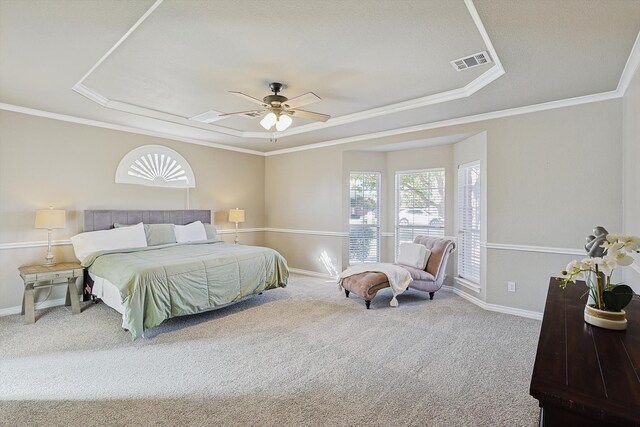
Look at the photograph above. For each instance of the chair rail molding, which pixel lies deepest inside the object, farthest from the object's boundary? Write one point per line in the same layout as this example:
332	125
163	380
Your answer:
528	248
37	244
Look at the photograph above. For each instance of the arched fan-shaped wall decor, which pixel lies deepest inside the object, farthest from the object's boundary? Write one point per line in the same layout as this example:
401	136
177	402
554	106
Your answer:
156	166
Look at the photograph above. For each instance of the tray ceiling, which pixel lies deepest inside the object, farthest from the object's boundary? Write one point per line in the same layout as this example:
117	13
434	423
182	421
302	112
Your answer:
377	65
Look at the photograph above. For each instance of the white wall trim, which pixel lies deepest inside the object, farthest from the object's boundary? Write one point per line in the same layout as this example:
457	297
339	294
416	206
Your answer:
633	62
526	248
122	128
312	274
469	89
498	308
388	234
240	230
309	232
468	284
605	96
44	304
38	244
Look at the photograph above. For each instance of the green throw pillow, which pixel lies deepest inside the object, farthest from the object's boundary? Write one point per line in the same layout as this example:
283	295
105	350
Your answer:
157	234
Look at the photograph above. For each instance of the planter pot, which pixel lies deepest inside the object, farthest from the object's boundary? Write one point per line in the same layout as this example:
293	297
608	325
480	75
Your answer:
605	319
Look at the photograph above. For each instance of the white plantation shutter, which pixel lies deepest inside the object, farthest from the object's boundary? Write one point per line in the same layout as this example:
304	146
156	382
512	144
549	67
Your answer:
469	222
420	202
364	217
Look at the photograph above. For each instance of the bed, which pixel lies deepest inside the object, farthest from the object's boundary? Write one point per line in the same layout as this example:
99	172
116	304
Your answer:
148	285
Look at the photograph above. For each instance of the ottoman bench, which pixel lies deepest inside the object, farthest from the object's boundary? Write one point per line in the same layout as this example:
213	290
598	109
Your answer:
366	285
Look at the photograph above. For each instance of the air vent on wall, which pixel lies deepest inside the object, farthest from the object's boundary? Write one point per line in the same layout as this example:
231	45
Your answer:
471	61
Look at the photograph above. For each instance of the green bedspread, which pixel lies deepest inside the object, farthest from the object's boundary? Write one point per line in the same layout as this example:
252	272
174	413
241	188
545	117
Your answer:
160	282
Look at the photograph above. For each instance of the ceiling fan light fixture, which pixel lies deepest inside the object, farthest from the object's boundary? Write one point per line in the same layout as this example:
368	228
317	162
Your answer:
269	120
283	122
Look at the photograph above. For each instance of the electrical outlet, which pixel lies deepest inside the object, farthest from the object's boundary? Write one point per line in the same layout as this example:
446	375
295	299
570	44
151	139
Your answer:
511	286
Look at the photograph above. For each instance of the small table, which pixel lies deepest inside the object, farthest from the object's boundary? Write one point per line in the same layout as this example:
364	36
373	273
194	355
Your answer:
585	375
38	276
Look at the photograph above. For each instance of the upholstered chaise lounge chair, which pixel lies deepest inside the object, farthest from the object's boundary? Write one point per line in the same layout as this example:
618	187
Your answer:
429	280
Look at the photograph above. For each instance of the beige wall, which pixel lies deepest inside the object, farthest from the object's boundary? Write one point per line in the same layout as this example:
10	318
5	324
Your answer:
631	156
545	187
70	166
544	175
303	192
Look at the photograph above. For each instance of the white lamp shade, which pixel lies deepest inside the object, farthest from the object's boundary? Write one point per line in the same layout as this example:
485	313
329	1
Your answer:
283	122
50	219
236	215
268	121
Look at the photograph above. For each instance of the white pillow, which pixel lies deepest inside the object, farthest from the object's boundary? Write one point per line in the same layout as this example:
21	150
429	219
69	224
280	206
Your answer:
413	255
191	232
105	240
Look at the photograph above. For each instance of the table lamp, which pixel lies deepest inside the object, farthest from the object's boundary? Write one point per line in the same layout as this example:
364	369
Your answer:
50	219
236	215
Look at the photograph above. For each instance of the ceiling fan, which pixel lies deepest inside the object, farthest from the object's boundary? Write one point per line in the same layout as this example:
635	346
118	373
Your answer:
279	110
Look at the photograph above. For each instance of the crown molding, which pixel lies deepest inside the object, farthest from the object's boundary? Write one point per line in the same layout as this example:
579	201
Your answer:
495	72
605	96
122	128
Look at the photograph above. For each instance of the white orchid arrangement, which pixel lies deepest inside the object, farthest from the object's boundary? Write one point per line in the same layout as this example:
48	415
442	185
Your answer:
607	251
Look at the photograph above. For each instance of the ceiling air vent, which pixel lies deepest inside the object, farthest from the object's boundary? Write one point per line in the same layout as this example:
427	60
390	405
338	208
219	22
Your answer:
471	61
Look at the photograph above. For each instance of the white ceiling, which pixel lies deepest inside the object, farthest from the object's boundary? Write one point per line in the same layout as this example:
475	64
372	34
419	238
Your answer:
378	65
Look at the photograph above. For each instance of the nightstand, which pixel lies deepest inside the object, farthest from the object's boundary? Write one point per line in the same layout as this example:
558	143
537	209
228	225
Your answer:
39	276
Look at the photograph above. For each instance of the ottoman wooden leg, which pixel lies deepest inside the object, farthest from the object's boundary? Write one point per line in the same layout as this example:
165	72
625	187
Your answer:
346	292
431	295
367	302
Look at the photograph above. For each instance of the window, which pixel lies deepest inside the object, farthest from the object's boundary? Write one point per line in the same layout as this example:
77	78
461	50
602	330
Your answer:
419	204
469	222
364	217
156	166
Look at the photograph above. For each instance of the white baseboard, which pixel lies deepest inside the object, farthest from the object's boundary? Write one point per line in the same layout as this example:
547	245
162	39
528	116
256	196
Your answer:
312	273
45	304
498	308
467	284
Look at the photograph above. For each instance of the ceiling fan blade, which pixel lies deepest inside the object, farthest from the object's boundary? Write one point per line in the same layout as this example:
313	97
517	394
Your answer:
305	99
250	113
318	117
250	98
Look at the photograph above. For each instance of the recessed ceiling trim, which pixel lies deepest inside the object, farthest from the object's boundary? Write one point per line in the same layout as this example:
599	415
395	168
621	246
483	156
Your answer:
605	96
486	78
91	94
126	35
633	62
167	117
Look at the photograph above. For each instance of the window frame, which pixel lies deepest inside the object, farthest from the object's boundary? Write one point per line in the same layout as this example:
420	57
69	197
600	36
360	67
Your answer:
464	266
396	219
377	225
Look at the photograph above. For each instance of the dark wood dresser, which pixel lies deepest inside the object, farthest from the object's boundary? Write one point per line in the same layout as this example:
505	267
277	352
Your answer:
585	375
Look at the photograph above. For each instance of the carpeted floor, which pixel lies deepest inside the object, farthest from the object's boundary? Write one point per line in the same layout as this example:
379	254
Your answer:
300	356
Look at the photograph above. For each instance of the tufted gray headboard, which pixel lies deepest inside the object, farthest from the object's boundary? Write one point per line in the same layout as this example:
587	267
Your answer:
104	220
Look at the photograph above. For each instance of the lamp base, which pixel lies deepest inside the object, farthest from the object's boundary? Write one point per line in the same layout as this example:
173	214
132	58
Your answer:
49	258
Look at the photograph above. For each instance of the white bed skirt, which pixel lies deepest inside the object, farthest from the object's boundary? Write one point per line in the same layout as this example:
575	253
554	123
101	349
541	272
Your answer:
109	294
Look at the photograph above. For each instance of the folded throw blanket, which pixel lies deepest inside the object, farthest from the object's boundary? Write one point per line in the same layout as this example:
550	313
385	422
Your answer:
398	277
